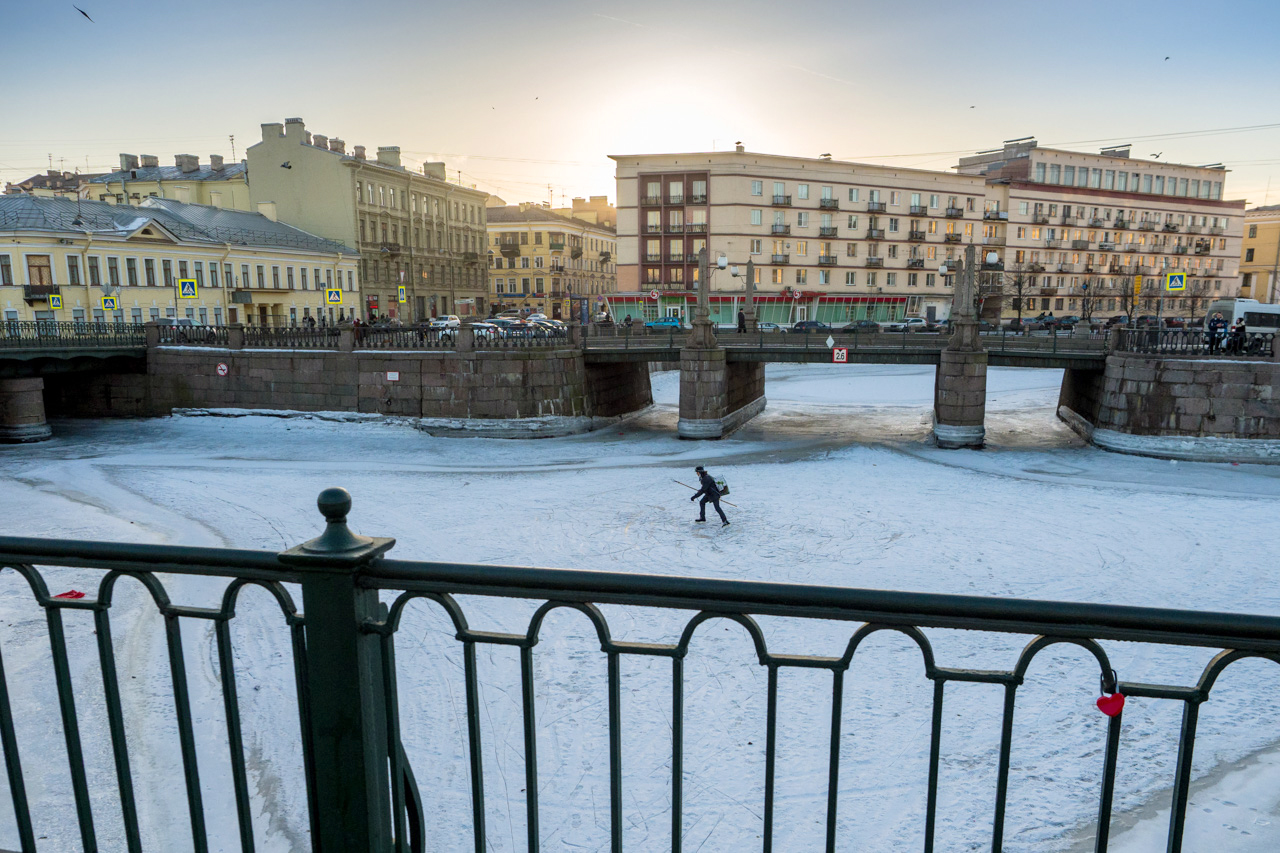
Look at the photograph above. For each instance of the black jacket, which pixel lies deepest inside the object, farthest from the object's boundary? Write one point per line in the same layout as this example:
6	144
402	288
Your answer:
709	487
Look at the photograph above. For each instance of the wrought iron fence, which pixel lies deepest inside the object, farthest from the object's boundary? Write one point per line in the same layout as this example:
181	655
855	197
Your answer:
404	338
1197	342
489	339
212	336
345	675
19	334
291	337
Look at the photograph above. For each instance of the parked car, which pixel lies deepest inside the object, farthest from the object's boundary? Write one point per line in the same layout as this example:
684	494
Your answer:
769	327
906	324
485	331
861	327
1069	320
1175	322
1117	320
810	326
664	323
448	321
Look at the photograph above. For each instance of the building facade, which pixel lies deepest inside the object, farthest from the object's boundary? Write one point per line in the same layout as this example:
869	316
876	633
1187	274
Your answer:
217	184
595	210
1260	254
245	267
830	240
540	260
1080	232
52	184
413	229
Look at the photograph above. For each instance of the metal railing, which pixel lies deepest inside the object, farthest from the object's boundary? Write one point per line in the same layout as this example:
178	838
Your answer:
291	337
1197	342
403	338
211	336
361	791
47	334
520	339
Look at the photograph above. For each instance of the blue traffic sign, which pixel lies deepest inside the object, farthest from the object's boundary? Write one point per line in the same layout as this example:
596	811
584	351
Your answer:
187	288
1175	281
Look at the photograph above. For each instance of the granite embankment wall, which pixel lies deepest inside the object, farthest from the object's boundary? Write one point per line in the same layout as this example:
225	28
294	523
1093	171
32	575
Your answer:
502	384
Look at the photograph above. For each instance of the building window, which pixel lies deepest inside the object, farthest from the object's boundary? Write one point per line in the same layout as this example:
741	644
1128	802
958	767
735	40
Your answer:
113	271
776	276
275	277
244	276
6	272
182	269
288	276
893	225
755	246
802	219
1253	231
757	187
802	191
262	276
1248	255
198	267
850	278
802	247
757	217
802	276
853	222
853	193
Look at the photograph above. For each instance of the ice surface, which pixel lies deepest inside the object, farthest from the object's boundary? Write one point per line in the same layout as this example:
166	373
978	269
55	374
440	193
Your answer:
835	483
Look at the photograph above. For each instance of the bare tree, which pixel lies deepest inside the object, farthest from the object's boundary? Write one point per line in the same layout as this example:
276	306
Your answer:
1017	285
1089	297
1128	297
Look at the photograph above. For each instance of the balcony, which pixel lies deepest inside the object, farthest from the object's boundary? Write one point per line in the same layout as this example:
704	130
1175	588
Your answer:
675	227
1066	267
1039	218
781	229
829	203
558	269
1080	244
509	250
779	259
1106	246
915	235
1115	269
1217	230
915	263
952	238
876	207
1071	219
1146	226
826	260
470	257
875	233
605	257
1179	250
650	259
1202	248
40	292
696	228
993	240
952	264
1193	229
998	215
1097	222
782	201
697	199
1053	244
575	252
691	258
1035	267
675	199
1171	227
651	200
558	245
954	213
1089	269
828	231
389	248
919	210
651	228
1120	225
1131	247
875	262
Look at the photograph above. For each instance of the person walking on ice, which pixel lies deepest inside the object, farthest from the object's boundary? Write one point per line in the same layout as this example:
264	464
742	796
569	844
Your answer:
709	492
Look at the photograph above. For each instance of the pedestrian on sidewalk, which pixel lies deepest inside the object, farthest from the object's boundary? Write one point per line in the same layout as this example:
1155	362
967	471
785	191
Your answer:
709	492
742	321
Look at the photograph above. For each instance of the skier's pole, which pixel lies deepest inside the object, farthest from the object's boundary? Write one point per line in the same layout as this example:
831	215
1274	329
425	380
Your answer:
687	486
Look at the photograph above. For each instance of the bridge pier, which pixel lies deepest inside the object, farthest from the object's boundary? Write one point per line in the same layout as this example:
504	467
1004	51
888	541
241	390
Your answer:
960	400
22	411
717	396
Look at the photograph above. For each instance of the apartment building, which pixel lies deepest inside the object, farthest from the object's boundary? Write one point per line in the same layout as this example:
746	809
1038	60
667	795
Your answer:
216	183
1260	254
59	258
52	184
413	229
1076	226
830	240
539	259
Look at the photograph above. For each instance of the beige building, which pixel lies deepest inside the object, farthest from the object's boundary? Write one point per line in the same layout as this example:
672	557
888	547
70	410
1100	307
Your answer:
216	183
413	229
1260	254
540	260
245	267
595	210
830	240
52	184
1075	226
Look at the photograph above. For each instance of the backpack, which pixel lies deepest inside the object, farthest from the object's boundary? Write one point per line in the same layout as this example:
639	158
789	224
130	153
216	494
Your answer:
722	485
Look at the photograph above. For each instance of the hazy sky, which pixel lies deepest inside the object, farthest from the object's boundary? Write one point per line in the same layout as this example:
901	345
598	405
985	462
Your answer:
519	95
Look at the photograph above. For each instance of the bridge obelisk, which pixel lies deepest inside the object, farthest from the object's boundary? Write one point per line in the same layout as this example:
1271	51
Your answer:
960	389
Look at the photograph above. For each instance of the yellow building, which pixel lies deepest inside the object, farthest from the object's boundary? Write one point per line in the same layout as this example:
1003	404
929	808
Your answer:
216	184
1260	254
244	267
539	260
413	229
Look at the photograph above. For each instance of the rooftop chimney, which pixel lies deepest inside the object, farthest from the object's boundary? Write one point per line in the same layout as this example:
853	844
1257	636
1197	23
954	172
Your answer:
149	161
358	152
389	155
187	162
128	162
434	170
293	128
320	141
272	130
267	209
740	148
337	146
215	162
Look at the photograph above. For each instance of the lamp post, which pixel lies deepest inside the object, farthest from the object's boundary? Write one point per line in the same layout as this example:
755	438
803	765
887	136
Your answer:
749	303
964	321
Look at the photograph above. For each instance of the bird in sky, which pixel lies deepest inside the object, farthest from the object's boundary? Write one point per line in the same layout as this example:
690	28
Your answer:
83	12
1166	59
1156	156
973	108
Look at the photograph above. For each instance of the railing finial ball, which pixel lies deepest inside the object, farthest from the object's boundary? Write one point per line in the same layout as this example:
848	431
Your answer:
334	504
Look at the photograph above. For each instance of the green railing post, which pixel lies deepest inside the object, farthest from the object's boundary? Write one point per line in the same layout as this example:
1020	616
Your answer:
347	747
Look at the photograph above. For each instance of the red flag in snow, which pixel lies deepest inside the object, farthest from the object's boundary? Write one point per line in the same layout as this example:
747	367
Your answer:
71	593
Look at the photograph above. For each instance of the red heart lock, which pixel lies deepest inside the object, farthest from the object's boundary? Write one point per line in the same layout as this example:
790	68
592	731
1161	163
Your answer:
1111	705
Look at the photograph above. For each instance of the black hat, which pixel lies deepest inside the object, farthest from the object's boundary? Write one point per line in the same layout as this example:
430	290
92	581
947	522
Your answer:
699	468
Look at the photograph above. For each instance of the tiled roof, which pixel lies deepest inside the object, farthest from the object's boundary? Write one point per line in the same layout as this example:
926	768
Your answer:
195	223
173	173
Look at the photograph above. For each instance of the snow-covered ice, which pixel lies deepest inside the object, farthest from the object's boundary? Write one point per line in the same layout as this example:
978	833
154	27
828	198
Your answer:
836	483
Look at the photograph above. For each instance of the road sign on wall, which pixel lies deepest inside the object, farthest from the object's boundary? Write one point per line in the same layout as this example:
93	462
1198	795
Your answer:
55	301
333	296
111	303
187	288
401	295
1175	281
839	355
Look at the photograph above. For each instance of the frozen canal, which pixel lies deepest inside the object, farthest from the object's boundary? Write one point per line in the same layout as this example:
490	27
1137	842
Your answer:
835	484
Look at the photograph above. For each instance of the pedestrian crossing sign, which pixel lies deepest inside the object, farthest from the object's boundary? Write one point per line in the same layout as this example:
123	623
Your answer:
187	288
401	296
1175	281
111	303
333	296
55	302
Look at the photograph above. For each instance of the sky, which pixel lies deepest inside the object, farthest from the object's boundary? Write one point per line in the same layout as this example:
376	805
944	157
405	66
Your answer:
527	100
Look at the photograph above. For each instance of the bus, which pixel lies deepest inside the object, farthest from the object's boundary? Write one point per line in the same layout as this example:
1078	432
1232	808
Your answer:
1259	317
